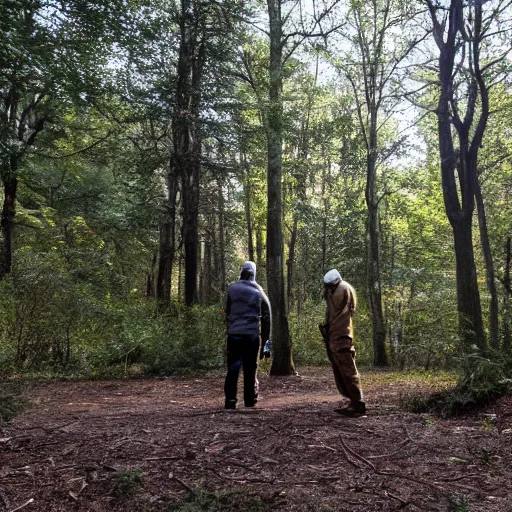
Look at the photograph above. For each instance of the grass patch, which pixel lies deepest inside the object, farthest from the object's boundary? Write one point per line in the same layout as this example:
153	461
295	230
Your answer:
127	483
221	502
482	381
12	400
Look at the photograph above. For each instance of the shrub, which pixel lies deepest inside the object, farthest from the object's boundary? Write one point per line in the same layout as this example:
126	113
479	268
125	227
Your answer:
482	380
127	483
12	400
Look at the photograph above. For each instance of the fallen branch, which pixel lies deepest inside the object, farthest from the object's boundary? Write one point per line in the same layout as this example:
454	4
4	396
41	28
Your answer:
181	482
457	478
413	479
400	446
23	505
323	446
403	502
345	452
356	455
173	457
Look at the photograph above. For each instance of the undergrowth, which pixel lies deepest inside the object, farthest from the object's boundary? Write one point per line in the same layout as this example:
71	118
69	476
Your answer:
481	382
221	502
12	400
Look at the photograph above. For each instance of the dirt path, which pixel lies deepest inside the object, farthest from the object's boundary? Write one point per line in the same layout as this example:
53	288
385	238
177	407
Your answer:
144	445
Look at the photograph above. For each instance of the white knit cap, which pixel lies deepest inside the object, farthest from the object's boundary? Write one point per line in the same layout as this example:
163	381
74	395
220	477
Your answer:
332	276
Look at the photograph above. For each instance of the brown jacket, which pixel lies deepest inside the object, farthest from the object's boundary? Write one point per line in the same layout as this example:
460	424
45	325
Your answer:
341	304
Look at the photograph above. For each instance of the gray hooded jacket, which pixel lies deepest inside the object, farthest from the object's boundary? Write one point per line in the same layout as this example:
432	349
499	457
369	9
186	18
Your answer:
247	305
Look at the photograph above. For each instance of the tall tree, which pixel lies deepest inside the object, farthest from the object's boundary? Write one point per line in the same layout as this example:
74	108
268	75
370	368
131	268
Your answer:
282	363
371	69
49	53
461	31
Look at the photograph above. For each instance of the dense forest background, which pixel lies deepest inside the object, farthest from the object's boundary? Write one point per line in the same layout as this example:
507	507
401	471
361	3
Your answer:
148	148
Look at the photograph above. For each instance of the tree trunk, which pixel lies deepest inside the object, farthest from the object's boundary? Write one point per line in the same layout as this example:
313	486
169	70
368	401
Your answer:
250	242
187	136
291	259
167	247
222	248
461	165
7	225
374	288
507	335
468	298
259	254
282	363
489	268
190	196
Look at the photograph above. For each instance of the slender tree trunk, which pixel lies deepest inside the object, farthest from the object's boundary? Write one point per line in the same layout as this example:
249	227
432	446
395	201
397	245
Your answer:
459	197
259	251
373	257
282	363
167	247
7	226
507	313
248	218
470	311
489	268
291	260
150	279
222	248
325	201
187	136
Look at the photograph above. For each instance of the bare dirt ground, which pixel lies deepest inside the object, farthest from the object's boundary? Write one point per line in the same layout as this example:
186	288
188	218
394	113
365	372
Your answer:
167	444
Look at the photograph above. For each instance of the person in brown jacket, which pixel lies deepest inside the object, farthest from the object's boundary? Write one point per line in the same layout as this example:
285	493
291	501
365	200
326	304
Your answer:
338	335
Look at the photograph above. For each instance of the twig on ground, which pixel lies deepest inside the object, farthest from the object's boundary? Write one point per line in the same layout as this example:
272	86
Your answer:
345	452
356	455
400	446
323	446
457	478
28	502
413	479
407	434
391	495
181	482
173	457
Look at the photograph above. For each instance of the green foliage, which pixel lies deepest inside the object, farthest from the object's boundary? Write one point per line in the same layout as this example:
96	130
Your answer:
127	483
459	503
482	380
191	341
204	501
12	400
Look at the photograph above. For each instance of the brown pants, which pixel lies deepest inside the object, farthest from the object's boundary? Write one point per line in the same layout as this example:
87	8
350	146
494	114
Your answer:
342	355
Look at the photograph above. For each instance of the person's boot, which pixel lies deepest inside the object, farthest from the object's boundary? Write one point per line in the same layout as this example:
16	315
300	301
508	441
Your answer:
353	409
230	404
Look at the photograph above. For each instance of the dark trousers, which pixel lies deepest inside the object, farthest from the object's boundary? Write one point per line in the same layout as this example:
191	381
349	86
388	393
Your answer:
242	351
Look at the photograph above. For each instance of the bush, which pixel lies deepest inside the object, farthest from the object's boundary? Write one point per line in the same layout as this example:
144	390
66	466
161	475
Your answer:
191	341
482	380
12	400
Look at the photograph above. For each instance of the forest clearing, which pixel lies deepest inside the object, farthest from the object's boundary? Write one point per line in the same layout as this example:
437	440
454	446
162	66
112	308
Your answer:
167	444
188	185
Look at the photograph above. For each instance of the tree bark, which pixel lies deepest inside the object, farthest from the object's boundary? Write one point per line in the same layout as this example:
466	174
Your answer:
187	136
282	363
7	226
167	247
222	248
507	335
247	205
489	268
461	165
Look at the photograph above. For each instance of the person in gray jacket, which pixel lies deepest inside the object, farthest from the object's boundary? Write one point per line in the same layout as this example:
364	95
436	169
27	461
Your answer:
248	320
